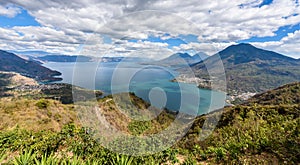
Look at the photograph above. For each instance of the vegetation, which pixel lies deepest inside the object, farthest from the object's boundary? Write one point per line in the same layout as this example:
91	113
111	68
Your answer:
287	94
35	114
67	93
249	69
249	134
72	145
265	130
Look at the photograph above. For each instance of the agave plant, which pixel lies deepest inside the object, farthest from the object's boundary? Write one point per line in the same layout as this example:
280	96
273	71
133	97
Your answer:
122	160
25	158
47	160
3	156
92	162
72	161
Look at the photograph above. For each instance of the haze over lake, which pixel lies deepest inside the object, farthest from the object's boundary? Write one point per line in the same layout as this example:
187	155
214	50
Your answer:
151	83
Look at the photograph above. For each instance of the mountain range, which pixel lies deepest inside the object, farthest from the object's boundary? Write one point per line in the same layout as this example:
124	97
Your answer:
13	63
250	69
63	58
81	58
181	59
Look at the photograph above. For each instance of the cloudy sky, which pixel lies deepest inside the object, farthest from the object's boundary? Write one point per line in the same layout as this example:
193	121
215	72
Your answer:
145	28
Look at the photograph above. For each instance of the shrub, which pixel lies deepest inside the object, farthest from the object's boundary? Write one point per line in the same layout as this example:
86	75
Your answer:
42	104
138	127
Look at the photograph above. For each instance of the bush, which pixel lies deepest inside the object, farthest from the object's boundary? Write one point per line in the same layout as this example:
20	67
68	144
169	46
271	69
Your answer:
42	104
138	127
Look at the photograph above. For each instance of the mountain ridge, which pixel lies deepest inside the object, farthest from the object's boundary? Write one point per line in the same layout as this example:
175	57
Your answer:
13	63
181	59
250	69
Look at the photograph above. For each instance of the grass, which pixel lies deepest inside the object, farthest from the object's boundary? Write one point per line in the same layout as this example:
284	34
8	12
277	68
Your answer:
246	134
46	131
35	114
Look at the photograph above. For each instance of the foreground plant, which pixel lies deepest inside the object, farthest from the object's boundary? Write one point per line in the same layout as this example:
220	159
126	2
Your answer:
47	160
122	160
25	158
3	156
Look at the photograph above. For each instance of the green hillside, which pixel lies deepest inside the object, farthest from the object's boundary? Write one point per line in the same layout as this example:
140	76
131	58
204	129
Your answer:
250	69
287	94
263	131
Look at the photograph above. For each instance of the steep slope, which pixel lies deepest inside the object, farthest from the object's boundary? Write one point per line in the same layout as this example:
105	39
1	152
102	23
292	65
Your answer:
261	132
249	69
12	63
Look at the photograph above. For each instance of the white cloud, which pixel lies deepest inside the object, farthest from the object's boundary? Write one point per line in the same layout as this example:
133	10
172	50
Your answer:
288	45
207	48
219	23
128	49
9	11
38	38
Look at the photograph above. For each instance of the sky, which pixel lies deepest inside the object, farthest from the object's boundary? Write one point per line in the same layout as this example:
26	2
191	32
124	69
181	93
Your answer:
147	28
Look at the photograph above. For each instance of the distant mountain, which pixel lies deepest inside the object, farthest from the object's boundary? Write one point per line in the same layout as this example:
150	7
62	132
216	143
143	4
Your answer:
13	63
250	69
199	57
181	59
64	58
31	53
80	58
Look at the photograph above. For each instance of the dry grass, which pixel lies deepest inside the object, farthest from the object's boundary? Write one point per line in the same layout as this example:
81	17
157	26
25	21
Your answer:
25	113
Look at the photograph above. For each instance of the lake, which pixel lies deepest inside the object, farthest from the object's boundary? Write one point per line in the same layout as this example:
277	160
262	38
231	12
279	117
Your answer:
151	83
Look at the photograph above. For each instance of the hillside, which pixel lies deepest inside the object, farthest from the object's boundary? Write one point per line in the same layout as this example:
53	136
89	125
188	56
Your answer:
12	63
18	86
249	69
10	80
246	134
261	132
35	115
287	94
56	97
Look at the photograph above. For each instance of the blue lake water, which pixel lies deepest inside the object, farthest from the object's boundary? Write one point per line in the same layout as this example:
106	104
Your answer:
151	83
